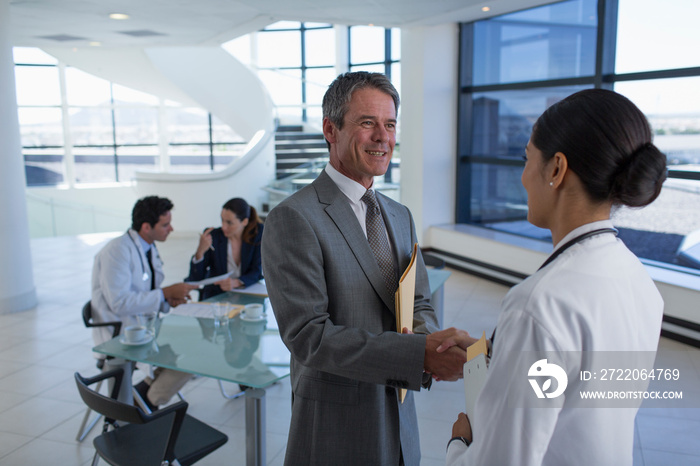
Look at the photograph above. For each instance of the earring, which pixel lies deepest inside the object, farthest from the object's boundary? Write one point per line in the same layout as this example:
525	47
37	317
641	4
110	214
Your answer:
551	183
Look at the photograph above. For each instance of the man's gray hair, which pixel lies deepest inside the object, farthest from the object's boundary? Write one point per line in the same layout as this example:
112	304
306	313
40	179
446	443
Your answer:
339	93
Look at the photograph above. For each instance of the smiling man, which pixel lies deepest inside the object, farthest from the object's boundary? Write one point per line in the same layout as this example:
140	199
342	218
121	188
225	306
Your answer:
332	255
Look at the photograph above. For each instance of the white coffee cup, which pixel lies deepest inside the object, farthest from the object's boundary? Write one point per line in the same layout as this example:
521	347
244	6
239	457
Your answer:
135	333
253	311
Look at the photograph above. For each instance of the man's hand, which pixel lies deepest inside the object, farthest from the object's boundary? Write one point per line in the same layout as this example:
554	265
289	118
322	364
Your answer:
460	339
448	364
178	293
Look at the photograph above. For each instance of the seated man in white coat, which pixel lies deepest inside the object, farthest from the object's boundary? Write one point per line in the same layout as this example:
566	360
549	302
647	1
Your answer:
126	279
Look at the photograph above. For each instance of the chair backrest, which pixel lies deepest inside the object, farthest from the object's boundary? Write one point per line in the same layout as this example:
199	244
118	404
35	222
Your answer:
109	407
89	322
115	410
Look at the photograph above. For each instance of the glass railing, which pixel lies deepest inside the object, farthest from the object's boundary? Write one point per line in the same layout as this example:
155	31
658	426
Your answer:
50	217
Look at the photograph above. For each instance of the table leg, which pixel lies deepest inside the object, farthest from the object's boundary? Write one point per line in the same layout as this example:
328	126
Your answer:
255	426
125	391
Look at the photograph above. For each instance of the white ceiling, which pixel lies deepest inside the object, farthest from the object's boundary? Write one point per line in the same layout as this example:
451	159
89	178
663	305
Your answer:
77	23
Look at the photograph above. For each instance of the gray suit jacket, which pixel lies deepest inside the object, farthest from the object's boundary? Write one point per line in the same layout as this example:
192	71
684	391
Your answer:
337	319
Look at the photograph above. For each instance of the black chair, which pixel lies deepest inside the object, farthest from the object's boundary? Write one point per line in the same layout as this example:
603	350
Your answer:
89	322
88	425
132	437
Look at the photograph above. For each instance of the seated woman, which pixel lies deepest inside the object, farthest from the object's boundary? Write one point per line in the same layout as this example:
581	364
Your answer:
234	248
590	300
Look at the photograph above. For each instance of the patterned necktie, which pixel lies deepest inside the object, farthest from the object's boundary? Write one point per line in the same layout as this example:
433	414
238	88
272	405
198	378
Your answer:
150	266
377	237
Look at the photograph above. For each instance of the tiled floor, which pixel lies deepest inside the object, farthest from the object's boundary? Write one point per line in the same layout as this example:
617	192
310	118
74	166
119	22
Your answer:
40	411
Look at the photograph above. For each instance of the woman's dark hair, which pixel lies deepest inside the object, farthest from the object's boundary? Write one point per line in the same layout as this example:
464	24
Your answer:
243	210
607	142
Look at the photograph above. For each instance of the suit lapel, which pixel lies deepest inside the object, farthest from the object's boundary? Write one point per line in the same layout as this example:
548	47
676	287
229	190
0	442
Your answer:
338	209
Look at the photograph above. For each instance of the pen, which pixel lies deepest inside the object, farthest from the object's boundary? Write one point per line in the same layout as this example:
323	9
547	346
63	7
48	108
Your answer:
212	248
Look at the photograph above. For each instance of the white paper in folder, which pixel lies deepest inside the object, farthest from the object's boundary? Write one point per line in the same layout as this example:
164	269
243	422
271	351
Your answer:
475	371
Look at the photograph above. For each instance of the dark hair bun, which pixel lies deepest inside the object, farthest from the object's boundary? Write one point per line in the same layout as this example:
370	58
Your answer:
639	177
607	143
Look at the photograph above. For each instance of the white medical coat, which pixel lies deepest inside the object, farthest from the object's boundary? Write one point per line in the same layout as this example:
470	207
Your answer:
596	296
121	283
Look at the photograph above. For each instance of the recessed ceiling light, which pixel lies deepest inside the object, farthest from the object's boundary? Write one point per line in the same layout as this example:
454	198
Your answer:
485	8
94	44
118	16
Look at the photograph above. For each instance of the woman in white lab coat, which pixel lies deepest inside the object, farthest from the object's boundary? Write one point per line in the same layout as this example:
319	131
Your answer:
587	154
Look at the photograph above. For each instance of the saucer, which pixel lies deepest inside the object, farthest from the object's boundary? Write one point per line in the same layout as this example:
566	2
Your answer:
124	341
253	319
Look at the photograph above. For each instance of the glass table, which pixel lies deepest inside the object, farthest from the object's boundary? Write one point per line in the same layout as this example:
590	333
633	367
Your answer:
242	352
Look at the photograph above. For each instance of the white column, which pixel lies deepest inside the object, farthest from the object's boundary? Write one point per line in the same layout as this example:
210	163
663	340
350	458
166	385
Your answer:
341	49
163	146
17	292
429	124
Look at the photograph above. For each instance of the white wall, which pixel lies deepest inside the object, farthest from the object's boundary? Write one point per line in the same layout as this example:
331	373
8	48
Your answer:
429	124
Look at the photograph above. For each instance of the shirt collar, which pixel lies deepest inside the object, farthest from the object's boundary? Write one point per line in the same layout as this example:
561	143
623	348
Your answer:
351	188
144	244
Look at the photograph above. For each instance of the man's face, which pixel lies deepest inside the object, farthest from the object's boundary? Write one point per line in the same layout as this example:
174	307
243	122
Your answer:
363	148
159	231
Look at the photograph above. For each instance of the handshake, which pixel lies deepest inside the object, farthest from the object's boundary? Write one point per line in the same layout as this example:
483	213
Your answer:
445	353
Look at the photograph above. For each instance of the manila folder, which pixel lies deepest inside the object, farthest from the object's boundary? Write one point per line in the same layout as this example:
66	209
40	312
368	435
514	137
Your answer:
404	298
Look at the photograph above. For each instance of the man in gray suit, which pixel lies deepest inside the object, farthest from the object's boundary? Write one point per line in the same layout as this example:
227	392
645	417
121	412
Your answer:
333	294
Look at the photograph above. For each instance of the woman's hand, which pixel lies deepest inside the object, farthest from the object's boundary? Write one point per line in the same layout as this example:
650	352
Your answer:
462	427
228	284
204	244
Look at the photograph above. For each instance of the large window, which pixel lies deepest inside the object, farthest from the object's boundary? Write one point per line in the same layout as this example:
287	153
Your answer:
77	128
296	61
514	66
377	50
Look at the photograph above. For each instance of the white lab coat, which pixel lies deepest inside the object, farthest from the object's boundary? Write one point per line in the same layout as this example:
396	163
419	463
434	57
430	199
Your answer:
121	283
596	296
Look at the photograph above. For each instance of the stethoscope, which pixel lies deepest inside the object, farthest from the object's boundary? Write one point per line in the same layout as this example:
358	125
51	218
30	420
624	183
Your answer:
558	252
138	251
578	239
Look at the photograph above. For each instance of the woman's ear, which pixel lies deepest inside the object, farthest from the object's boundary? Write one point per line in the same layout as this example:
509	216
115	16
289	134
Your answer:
557	168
